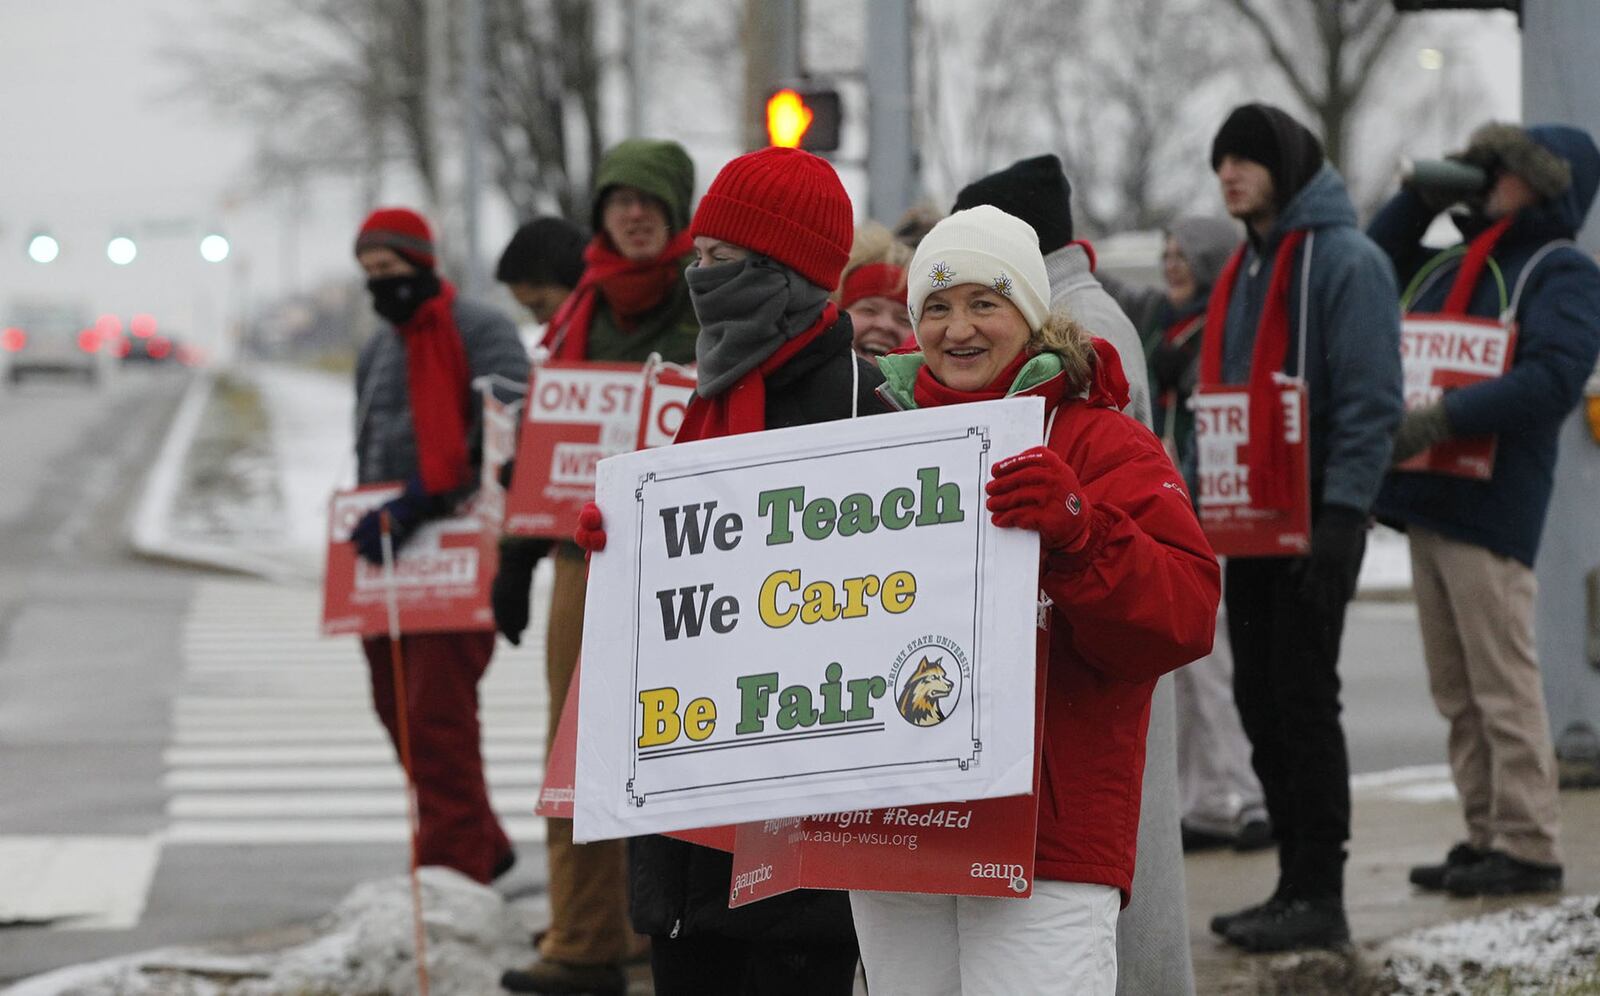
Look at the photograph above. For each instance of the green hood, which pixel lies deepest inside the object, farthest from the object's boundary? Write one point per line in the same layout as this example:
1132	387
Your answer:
659	168
900	375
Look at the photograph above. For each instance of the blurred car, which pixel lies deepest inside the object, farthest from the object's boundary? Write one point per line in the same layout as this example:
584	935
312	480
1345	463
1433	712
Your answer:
51	338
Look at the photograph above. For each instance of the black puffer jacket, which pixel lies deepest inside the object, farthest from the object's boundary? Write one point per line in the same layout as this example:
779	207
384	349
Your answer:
680	887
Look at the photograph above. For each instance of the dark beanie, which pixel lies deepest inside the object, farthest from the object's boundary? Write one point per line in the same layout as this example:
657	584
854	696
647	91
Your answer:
401	229
543	251
1035	190
1267	135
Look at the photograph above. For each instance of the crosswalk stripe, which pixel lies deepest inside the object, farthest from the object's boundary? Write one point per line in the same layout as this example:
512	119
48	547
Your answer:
274	739
322	831
281	805
499	752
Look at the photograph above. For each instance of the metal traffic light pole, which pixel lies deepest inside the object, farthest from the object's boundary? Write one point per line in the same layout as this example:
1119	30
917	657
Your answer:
892	184
1560	48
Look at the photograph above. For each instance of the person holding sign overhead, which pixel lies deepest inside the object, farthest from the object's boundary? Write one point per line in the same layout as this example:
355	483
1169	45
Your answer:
1473	541
1134	589
630	302
771	237
1303	329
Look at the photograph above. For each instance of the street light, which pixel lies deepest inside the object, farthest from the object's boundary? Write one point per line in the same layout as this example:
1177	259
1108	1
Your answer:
214	248
43	248
122	250
1431	59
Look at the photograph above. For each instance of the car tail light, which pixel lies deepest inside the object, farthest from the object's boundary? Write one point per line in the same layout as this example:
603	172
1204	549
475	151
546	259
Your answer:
142	325
89	341
13	339
121	346
158	347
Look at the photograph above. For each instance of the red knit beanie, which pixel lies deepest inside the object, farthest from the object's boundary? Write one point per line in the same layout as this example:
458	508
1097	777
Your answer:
401	229
783	203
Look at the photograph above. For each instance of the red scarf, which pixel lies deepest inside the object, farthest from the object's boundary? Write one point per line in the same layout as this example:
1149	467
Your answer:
743	407
1472	266
927	392
1267	452
630	287
437	382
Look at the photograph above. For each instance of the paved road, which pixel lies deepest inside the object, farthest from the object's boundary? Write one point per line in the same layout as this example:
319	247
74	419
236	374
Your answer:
182	758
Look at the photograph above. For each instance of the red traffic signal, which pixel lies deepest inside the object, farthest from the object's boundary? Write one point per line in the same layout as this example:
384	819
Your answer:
804	119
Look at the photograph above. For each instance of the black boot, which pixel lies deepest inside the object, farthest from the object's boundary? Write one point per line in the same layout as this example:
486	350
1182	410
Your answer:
1499	874
1293	925
1432	877
547	976
1223	922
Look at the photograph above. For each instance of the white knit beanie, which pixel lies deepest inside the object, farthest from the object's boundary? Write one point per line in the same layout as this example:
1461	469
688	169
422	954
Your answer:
982	245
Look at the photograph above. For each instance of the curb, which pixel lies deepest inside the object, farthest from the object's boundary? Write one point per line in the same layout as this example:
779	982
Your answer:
149	532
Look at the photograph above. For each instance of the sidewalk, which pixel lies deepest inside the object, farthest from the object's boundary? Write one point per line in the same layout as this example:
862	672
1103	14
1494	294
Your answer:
283	438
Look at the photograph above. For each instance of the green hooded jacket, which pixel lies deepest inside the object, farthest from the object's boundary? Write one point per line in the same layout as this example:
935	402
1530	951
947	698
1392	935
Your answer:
664	171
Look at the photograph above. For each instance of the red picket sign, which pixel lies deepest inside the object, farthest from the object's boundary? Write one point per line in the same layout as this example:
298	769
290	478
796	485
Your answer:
1235	523
1440	352
575	415
981	848
441	575
561	769
668	391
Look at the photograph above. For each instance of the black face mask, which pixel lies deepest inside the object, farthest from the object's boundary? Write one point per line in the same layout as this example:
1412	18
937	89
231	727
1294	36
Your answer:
398	298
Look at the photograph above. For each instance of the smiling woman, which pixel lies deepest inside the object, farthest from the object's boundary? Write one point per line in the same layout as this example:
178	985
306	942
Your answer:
1114	525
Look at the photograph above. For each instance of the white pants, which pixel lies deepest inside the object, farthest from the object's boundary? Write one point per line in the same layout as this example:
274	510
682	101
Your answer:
1063	939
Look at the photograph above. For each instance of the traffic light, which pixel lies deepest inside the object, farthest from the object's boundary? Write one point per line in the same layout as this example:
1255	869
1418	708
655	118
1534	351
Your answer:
804	118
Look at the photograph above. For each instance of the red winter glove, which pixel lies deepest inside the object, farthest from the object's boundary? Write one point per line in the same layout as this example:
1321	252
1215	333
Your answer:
1037	490
590	534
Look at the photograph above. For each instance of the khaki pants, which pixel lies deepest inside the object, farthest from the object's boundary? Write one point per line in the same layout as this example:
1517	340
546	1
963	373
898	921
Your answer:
1476	611
588	882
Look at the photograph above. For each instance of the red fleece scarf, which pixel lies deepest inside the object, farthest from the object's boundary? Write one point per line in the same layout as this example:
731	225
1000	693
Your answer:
1472	264
437	381
630	287
1267	452
1108	385
743	407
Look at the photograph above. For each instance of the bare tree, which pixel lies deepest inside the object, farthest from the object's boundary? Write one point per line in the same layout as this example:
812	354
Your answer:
338	86
1124	91
1328	51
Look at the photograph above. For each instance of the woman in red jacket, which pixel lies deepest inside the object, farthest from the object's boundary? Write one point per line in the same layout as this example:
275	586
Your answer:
1134	588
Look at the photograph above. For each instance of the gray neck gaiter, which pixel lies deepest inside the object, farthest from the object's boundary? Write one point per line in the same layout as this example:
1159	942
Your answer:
747	310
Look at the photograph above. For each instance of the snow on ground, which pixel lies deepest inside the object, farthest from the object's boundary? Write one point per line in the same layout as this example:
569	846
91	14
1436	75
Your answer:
363	946
1528	950
310	415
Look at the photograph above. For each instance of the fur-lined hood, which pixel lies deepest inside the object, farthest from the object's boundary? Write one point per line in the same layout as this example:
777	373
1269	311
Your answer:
1559	162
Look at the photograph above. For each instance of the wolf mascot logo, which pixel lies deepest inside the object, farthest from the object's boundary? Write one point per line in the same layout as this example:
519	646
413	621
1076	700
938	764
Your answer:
919	699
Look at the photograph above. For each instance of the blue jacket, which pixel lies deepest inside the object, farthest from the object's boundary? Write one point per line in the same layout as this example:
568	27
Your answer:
1352	343
1558	337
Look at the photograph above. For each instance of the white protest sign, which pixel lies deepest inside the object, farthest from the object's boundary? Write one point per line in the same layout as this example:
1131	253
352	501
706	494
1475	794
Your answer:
805	620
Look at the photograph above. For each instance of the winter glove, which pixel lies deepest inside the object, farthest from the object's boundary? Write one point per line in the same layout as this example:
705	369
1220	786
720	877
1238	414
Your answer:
1169	364
590	534
406	513
1338	539
508	596
1037	490
1420	429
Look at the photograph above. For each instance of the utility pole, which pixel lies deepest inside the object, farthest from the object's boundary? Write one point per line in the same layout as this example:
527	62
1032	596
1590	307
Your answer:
1560	47
892	182
638	79
435	93
472	134
771	36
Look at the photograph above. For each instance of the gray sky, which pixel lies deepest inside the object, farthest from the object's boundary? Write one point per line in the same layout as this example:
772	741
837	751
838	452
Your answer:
97	144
